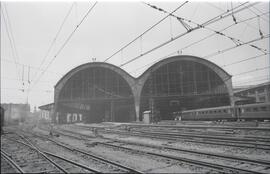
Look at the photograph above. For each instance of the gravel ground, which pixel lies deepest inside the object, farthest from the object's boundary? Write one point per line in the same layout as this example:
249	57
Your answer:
145	163
242	152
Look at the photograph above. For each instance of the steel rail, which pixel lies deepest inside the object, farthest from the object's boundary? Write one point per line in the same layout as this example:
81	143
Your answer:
11	162
39	152
72	162
43	153
199	127
256	161
197	162
235	144
260	162
210	133
89	154
241	139
62	158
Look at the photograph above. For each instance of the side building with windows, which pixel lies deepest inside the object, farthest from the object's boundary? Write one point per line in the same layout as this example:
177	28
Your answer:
254	94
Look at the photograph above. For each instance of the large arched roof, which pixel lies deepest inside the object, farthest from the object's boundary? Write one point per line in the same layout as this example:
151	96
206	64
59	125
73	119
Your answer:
218	70
129	79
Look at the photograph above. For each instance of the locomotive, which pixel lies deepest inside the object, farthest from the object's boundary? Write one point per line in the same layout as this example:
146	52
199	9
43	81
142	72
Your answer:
257	111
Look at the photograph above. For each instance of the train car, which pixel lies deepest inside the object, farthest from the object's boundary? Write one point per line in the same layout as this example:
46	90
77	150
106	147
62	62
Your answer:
258	111
208	114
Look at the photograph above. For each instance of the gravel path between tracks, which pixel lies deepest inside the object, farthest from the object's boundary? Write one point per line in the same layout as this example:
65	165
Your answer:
243	152
148	164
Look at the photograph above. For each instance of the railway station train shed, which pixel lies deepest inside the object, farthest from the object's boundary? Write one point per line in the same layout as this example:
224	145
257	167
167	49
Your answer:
99	91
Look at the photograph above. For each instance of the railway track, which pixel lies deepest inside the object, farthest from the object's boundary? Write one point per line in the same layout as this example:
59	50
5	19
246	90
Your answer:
199	127
250	140
208	132
27	158
42	161
259	143
194	139
8	165
108	166
212	165
259	164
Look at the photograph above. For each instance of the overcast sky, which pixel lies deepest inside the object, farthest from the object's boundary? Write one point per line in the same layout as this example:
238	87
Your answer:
32	26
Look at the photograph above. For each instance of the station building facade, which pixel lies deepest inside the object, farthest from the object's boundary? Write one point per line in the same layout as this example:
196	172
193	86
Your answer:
254	94
100	91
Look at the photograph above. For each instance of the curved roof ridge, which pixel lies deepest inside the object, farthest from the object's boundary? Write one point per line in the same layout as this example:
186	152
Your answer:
97	65
169	59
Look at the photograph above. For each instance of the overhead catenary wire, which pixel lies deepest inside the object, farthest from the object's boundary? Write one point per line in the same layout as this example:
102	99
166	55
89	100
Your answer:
233	47
198	41
256	69
233	76
211	4
32	67
11	43
56	36
215	19
244	60
257	14
11	32
256	80
144	32
235	40
64	44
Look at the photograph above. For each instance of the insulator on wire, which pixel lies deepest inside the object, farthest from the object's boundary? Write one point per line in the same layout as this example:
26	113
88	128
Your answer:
261	34
234	19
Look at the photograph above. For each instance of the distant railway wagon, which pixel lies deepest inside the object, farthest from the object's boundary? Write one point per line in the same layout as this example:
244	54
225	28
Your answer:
2	114
258	111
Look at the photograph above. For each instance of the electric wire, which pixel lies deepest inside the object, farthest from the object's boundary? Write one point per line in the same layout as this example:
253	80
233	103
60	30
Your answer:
65	43
56	36
200	40
213	20
257	14
233	76
254	70
11	43
236	41
11	31
226	65
244	60
233	47
211	4
32	67
144	32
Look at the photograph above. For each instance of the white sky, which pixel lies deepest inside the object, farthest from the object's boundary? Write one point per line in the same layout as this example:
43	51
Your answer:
111	25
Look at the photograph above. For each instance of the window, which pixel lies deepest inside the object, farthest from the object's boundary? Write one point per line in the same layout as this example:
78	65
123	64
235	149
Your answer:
263	108
255	109
262	99
252	91
260	90
247	109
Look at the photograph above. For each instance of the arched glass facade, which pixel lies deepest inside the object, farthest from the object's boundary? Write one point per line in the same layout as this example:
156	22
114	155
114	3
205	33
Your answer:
99	94
183	85
99	91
